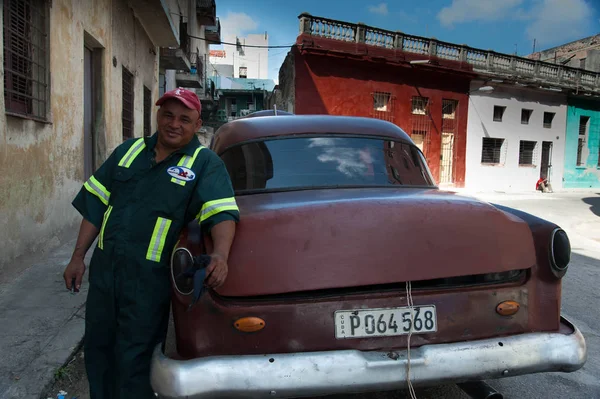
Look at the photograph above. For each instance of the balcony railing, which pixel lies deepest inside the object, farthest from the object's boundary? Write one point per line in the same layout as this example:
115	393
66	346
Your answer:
194	77
482	61
213	33
174	58
207	11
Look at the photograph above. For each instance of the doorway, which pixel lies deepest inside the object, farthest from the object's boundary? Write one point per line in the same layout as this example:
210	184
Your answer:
546	165
94	123
447	158
88	113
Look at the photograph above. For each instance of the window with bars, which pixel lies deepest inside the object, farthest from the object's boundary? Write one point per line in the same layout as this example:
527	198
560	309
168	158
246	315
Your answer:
583	122
580	143
420	105
418	137
498	113
548	118
383	106
583	125
449	116
381	101
449	109
491	150
525	116
147	112
26	62
526	152
127	117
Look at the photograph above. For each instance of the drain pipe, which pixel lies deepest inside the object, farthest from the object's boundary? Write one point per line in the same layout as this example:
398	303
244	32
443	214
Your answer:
479	390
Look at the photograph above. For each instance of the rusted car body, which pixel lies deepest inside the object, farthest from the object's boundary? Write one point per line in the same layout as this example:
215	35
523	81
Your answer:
345	251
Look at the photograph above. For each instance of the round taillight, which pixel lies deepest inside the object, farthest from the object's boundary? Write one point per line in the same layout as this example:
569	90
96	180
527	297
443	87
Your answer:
182	260
560	252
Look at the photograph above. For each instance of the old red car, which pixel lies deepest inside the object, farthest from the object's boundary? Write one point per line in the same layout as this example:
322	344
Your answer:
352	272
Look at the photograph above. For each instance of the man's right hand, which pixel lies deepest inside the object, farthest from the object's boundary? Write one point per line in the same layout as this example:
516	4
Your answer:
74	270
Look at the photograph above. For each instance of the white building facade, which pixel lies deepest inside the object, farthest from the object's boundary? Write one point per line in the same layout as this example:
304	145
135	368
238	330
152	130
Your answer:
514	136
248	62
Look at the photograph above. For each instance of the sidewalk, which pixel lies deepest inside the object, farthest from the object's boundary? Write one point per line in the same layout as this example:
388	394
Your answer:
42	323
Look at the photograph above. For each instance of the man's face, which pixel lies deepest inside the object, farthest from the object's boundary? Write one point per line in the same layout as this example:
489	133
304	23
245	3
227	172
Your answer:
177	124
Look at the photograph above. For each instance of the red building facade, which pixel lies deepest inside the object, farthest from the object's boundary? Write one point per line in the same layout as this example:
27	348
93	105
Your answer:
428	99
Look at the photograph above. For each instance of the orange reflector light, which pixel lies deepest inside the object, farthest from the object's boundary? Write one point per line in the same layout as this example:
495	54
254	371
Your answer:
249	324
507	308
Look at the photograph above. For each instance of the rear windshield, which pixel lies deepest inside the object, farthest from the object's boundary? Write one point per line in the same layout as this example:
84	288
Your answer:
313	162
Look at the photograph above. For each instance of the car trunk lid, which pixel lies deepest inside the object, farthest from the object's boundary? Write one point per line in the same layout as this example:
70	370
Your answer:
300	241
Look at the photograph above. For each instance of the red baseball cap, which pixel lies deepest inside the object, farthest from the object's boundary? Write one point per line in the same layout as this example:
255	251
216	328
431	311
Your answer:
187	97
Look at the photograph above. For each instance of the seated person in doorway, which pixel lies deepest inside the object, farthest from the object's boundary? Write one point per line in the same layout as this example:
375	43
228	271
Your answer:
543	185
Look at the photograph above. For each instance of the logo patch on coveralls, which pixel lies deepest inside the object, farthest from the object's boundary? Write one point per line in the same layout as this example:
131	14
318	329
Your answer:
181	173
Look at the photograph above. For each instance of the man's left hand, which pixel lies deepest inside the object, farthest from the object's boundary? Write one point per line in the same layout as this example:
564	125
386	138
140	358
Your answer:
216	271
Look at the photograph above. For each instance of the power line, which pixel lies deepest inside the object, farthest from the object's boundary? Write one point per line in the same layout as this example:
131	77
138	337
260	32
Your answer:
244	45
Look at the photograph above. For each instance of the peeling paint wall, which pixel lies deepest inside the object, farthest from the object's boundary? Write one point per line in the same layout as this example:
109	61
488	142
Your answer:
42	164
287	80
586	175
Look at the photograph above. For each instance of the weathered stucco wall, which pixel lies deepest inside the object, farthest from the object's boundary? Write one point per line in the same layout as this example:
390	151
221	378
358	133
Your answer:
42	164
571	53
287	85
133	50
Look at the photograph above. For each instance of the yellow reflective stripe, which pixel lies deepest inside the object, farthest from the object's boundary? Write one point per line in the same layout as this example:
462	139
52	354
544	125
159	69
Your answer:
187	162
98	189
133	152
157	242
105	219
211	208
177	181
190	161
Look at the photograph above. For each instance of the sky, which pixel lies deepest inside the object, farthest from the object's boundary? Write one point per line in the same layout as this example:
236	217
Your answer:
506	26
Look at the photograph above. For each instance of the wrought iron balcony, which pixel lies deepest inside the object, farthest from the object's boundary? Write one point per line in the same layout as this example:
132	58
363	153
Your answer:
213	33
207	12
484	62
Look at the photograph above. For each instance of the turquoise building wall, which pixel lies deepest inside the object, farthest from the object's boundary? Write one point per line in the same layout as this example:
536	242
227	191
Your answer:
588	174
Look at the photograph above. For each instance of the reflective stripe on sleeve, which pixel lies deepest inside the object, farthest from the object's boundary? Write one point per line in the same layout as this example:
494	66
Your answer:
186	161
96	188
133	152
211	208
157	242
104	221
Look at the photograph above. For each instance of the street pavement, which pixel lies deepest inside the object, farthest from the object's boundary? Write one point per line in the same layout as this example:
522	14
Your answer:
42	323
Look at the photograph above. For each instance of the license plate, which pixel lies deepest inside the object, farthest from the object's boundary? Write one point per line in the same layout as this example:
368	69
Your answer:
388	322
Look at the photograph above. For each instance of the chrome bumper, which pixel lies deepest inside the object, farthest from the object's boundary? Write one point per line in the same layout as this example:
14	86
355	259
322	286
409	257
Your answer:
348	371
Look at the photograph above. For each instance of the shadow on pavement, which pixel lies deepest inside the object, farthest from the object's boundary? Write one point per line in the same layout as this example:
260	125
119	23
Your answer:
595	204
